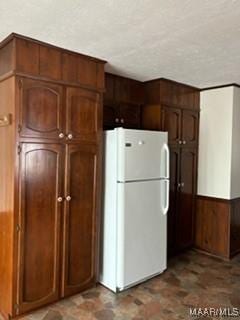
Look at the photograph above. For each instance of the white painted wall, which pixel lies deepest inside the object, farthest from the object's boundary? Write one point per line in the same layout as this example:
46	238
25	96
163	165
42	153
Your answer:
235	165
215	144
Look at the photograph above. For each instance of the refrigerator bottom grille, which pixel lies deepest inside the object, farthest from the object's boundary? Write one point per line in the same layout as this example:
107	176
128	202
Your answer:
140	281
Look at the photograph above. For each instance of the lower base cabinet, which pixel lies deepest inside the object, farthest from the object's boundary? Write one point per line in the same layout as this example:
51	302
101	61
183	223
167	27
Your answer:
79	227
39	225
57	228
186	207
183	173
218	226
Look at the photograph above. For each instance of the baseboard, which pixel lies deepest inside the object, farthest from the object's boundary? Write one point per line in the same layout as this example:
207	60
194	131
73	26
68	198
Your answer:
206	253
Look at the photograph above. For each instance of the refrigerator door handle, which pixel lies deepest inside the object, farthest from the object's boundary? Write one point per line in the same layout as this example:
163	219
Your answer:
165	198
166	160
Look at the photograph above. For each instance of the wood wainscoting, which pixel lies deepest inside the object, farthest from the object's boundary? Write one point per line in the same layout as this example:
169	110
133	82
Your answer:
217	226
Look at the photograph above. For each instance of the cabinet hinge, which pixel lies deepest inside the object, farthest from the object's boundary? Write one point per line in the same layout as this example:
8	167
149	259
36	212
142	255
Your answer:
20	84
19	128
19	149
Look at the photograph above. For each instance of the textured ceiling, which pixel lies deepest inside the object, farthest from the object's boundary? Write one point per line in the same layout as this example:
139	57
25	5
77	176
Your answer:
193	41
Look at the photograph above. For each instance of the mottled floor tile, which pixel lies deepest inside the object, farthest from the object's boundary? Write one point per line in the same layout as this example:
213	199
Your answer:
191	280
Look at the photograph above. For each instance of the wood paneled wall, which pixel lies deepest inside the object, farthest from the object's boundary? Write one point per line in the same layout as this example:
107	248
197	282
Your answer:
217	226
122	102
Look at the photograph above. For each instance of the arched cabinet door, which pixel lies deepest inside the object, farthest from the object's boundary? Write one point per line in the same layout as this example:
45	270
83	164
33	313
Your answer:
80	227
190	123
84	114
171	122
39	225
41	109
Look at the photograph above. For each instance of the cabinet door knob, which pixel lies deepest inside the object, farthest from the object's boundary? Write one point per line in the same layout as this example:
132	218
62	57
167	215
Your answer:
184	142
70	136
60	199
182	184
61	135
68	198
180	141
122	120
116	120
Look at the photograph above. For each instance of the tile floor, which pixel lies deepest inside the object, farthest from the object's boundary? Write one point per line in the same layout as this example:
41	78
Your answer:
192	279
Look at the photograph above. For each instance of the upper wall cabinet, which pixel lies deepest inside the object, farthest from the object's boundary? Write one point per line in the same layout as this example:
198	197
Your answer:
181	125
83	119
190	127
52	111
122	102
29	57
41	109
171	122
172	107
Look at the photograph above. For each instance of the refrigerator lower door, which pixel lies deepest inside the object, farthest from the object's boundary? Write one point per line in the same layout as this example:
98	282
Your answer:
142	231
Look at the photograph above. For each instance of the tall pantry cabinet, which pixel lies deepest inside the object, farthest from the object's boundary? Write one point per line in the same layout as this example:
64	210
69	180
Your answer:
174	107
51	146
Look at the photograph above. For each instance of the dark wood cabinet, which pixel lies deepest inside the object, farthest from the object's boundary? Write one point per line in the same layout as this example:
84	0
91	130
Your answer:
50	170
125	115
173	197
190	128
109	95
122	89
84	119
79	255
129	115
171	122
111	116
213	218
174	107
122	102
41	109
182	198
186	204
38	59
45	113
39	223
181	125
217	226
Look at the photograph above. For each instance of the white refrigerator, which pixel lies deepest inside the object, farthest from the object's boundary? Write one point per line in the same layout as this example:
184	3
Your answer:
135	205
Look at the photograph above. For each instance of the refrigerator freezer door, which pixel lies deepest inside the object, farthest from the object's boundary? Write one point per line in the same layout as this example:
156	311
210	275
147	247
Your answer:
142	155
142	225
